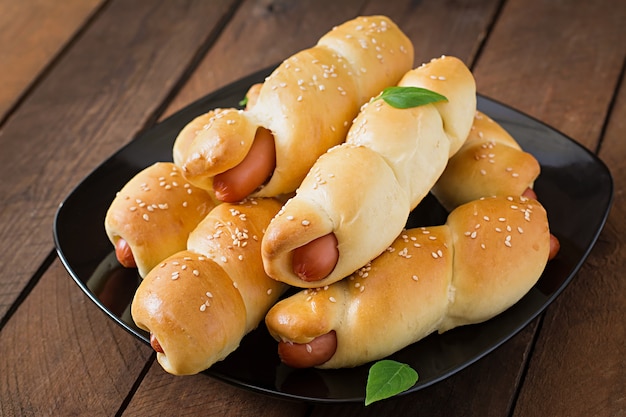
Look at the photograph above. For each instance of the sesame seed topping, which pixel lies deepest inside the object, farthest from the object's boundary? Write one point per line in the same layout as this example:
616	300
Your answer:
332	299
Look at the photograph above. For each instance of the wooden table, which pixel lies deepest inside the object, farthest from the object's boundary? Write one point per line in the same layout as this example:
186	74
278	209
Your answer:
81	78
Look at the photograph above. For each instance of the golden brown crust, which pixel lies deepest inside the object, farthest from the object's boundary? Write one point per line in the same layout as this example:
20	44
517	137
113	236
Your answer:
338	196
367	186
501	248
308	103
155	212
191	306
231	236
202	301
490	163
213	143
431	279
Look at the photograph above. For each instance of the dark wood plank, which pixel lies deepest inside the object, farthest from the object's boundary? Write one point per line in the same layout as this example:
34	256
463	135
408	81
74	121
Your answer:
556	62
62	356
568	81
99	95
581	352
249	43
33	33
161	393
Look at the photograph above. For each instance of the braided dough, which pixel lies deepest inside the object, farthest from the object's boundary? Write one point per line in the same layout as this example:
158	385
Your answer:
155	212
490	163
308	104
363	190
200	302
483	260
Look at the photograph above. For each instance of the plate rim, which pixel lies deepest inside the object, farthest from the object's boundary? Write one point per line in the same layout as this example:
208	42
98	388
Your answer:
259	75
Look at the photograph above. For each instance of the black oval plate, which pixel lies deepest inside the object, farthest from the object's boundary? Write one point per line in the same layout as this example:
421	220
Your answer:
575	187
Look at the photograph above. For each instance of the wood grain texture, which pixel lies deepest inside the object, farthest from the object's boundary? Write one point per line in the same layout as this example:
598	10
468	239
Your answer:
52	350
34	32
569	83
248	43
96	99
161	392
581	352
554	62
136	61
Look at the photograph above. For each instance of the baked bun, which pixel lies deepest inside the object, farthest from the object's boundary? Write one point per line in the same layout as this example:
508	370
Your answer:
483	260
307	103
490	163
362	191
154	214
199	303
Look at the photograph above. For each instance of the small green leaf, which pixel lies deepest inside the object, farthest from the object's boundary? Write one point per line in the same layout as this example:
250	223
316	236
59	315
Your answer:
388	378
407	97
243	101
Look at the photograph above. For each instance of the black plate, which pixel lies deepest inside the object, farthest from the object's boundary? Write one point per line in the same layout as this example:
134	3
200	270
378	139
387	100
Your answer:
575	187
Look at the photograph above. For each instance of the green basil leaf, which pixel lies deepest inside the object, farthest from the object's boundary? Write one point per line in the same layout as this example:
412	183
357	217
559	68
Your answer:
407	97
387	378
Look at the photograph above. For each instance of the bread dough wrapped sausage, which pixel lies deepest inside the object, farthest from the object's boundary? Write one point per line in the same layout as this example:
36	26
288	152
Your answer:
483	260
199	303
305	106
152	215
489	163
362	191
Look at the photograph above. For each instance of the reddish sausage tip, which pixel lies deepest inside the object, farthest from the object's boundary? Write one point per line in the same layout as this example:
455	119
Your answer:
155	344
530	193
308	355
124	254
555	246
317	259
258	165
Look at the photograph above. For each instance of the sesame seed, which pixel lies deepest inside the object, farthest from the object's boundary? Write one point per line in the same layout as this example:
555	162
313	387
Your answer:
332	299
146	217
195	272
269	291
309	349
203	307
415	278
305	222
